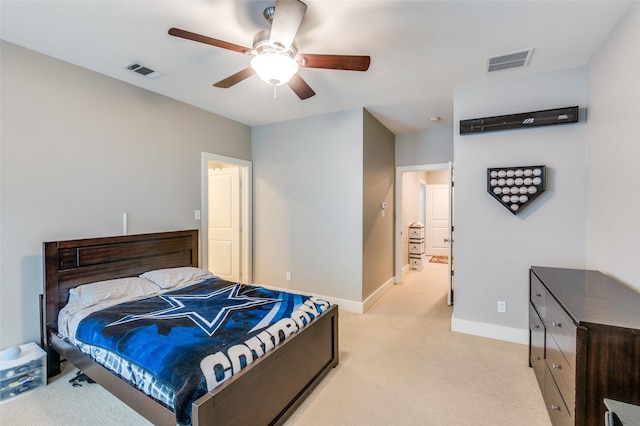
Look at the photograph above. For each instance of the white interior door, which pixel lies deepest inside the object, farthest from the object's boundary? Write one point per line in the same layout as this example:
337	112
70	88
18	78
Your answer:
437	220
224	223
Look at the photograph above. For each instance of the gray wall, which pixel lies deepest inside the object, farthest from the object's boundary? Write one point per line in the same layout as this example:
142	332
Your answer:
308	180
378	184
493	248
78	150
433	146
613	150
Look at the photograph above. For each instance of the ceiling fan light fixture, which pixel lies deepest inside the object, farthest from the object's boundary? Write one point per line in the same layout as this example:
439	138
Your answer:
274	68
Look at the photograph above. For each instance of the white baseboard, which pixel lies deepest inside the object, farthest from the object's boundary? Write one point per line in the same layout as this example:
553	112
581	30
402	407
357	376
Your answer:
369	301
344	304
361	307
492	331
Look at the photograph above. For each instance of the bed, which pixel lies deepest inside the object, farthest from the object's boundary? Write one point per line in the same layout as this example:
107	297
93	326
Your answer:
273	385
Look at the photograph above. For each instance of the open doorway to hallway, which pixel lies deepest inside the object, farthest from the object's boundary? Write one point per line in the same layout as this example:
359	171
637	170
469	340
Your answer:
424	194
225	234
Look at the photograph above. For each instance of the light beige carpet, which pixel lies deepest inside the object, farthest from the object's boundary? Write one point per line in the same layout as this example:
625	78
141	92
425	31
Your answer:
400	365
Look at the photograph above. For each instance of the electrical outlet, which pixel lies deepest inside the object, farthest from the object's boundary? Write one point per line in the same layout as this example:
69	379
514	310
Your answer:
502	306
288	276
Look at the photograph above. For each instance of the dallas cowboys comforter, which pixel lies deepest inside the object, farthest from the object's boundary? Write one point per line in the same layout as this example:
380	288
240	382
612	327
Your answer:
194	338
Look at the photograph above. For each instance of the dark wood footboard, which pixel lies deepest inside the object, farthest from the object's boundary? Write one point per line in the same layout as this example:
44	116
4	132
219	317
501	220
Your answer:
275	385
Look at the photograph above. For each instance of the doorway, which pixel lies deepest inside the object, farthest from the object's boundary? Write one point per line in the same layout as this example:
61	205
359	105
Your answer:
225	234
430	202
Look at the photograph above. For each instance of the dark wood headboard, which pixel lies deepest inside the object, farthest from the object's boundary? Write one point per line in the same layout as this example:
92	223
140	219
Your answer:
70	263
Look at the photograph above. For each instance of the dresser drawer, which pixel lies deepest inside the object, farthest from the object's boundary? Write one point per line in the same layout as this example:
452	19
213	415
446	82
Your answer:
538	296
416	248
562	329
563	374
416	232
556	407
536	329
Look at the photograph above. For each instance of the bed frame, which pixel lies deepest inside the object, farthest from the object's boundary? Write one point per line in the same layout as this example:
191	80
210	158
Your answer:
265	392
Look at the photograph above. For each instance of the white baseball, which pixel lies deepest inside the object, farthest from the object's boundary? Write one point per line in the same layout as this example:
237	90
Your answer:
515	207
537	181
506	190
519	173
497	190
506	198
537	172
510	173
524	198
494	182
527	181
494	173
528	172
523	190
519	181
510	181
515	198
502	173
514	190
532	190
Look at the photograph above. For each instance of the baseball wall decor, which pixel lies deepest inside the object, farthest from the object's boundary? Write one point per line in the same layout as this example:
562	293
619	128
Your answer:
516	187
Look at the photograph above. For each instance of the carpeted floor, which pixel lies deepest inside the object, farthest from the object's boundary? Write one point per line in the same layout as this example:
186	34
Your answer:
399	365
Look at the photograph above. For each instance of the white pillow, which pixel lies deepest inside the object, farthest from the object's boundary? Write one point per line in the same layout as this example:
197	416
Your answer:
121	288
177	277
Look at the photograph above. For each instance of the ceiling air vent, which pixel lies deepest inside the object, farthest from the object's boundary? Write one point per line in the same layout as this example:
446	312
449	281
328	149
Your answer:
142	70
509	60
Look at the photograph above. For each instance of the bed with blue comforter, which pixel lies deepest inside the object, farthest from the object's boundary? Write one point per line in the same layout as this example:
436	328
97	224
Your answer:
174	342
193	339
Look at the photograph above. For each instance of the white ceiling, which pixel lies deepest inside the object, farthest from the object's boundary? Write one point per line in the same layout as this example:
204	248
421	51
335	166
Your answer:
420	50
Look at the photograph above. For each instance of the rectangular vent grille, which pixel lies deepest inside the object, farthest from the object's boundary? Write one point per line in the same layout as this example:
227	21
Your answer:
509	60
142	70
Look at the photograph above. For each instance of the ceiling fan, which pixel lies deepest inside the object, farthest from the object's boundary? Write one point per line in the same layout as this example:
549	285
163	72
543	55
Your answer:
275	54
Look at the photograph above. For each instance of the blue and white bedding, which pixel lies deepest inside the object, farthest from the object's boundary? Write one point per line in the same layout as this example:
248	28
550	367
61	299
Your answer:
180	343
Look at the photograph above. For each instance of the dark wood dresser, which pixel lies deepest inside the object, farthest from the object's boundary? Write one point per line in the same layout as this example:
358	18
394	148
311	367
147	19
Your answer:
584	342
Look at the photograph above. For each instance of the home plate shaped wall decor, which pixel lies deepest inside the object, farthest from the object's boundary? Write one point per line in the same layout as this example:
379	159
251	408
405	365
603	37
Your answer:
516	187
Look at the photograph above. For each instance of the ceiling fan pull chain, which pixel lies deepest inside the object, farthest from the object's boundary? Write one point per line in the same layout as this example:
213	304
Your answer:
274	92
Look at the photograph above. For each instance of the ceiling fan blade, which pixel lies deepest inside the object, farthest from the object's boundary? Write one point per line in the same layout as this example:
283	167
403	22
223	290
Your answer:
335	62
300	87
235	78
207	40
286	21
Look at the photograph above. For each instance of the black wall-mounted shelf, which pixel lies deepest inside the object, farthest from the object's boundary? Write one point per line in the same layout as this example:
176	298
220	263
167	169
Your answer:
520	121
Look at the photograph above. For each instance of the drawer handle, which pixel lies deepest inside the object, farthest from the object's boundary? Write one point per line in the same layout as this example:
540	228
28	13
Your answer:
556	324
537	358
538	295
555	407
557	366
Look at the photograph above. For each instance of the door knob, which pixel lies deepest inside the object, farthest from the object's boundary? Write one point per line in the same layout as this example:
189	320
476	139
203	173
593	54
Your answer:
446	240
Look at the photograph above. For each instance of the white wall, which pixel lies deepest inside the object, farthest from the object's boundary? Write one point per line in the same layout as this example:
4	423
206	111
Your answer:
308	184
613	151
78	150
494	248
